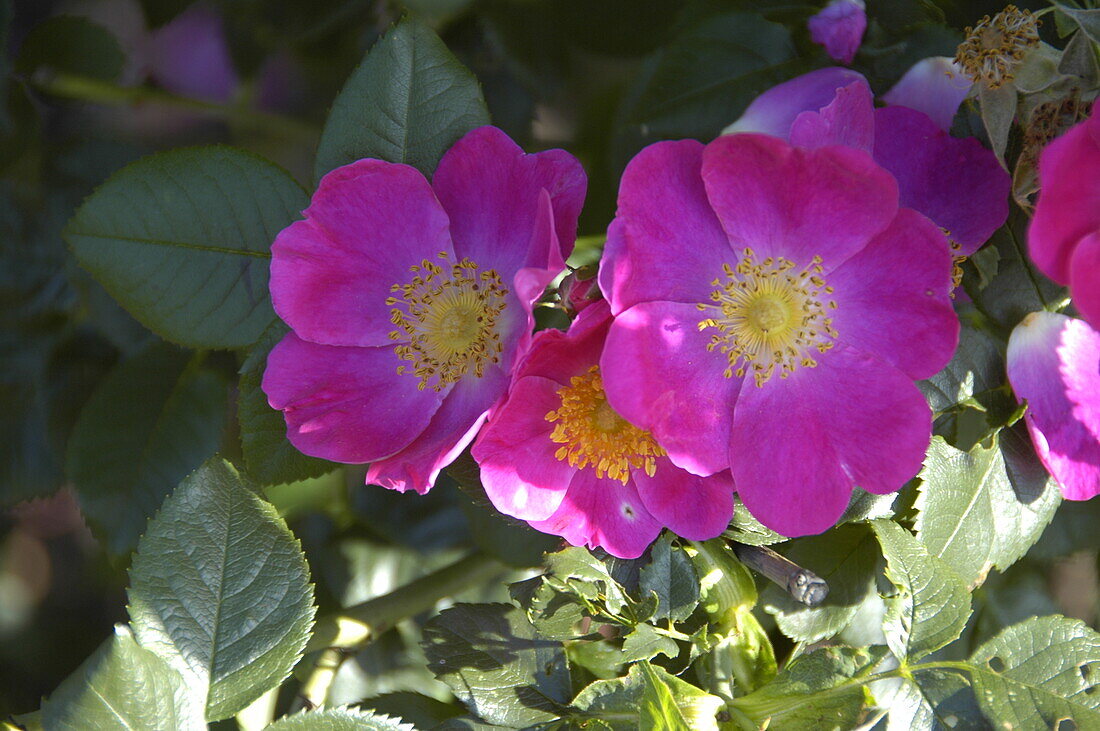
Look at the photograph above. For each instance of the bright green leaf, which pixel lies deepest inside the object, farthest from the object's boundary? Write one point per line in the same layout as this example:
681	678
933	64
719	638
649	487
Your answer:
588	576
1037	672
932	603
123	686
644	643
748	530
182	240
152	420
845	558
671	576
496	663
220	589
340	719
648	697
658	707
976	512
270	458
408	102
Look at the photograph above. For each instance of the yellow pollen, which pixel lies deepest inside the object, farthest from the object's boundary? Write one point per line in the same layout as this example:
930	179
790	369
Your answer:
994	47
770	317
956	261
593	435
446	318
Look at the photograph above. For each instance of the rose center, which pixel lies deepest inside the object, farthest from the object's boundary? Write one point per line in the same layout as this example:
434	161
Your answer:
447	315
769	317
593	435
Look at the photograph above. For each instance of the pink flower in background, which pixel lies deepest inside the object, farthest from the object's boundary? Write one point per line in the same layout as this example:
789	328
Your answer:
190	56
935	86
558	456
1064	237
1054	363
410	302
839	27
955	182
772	307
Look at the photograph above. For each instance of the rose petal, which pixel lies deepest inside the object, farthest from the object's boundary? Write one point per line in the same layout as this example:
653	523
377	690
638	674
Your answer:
696	508
935	86
1085	278
775	110
839	27
848	120
190	56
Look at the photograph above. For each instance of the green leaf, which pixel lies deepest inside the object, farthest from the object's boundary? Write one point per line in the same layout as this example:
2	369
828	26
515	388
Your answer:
555	615
648	697
931	699
1037	672
998	112
220	589
1087	20
496	663
977	367
846	558
671	576
588	577
932	603
123	686
420	710
182	239
975	512
748	530
814	691
645	643
704	78
269	457
155	417
408	102
340	719
71	44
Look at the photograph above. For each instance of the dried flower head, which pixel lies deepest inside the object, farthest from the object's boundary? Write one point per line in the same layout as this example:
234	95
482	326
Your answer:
994	48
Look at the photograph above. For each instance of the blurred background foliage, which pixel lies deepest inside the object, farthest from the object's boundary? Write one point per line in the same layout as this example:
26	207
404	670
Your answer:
82	96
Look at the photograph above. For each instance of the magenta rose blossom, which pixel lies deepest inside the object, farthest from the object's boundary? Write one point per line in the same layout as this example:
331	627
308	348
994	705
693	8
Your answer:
839	27
773	306
411	302
1064	238
1054	363
558	456
955	182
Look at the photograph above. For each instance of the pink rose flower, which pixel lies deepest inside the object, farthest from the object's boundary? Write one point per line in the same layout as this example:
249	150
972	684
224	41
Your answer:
1054	363
935	86
1064	238
839	27
772	307
410	302
955	182
558	456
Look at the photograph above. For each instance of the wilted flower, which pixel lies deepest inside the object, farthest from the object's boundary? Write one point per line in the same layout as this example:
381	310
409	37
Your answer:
955	182
558	456
773	306
1054	363
1064	237
839	27
994	48
410	303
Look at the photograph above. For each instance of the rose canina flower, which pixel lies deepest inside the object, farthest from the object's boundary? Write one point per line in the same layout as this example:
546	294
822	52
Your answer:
558	456
1054	363
1064	237
410	303
955	182
772	307
839	28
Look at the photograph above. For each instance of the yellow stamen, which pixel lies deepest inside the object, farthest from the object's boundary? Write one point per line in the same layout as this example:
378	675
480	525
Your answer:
770	317
593	435
994	48
448	316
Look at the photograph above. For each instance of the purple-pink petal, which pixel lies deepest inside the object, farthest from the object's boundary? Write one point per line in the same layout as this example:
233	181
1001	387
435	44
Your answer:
602	513
780	200
774	111
696	508
1069	199
345	404
666	243
935	86
894	297
849	120
839	27
659	375
190	56
1084	280
331	273
956	182
490	189
800	445
1054	364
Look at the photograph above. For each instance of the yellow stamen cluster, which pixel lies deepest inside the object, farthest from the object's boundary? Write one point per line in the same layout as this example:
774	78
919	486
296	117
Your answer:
956	261
593	435
770	316
447	314
994	47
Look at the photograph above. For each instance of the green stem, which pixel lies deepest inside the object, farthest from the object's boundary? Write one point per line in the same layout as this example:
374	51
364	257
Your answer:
83	88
